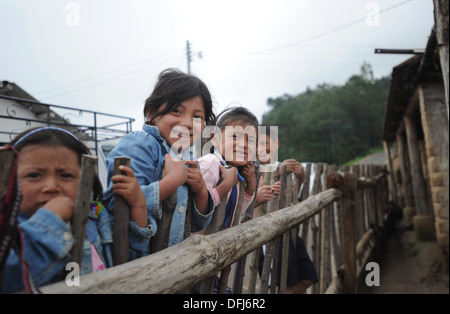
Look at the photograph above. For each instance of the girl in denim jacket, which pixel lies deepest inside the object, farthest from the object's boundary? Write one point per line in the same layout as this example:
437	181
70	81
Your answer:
162	155
48	173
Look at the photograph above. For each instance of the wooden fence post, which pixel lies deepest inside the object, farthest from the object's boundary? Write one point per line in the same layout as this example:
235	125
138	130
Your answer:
121	214
315	225
350	280
223	282
81	210
239	272
268	256
255	256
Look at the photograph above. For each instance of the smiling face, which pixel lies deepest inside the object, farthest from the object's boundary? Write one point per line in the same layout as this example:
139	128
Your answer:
45	172
238	145
267	149
182	126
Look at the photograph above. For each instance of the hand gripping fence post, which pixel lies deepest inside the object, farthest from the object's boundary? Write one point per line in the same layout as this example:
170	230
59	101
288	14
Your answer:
121	212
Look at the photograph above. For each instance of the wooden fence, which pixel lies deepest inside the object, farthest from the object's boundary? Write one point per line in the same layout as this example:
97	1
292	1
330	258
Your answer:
339	215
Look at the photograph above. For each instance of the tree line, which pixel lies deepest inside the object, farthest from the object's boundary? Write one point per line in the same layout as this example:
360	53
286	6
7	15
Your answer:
331	124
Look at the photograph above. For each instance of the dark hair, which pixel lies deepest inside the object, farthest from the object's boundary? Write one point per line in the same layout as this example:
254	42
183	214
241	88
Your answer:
51	136
233	114
173	87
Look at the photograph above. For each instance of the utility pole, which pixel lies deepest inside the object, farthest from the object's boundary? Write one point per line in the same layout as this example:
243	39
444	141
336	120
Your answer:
188	56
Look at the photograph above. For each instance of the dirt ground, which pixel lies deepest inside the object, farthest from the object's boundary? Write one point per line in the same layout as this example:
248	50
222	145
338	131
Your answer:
410	266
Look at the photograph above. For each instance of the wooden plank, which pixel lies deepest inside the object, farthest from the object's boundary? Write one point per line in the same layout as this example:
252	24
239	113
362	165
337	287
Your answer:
81	210
199	257
160	240
350	282
121	214
419	185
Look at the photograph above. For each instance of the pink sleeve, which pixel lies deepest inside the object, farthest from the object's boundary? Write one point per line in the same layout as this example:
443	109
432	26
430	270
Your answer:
247	200
209	167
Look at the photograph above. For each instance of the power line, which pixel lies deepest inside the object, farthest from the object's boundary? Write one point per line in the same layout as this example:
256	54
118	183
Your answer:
107	73
328	32
104	81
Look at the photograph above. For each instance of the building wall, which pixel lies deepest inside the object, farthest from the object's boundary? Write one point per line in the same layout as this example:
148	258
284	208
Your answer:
435	126
10	127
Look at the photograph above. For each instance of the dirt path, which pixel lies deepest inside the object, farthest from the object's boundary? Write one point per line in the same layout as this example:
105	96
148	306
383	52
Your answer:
410	267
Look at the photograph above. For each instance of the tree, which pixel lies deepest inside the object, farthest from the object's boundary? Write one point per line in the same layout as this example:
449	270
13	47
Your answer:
331	124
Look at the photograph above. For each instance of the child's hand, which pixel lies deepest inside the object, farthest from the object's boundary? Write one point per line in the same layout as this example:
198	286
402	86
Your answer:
194	177
229	179
290	165
198	186
299	172
229	175
263	195
175	168
276	187
249	175
61	206
128	187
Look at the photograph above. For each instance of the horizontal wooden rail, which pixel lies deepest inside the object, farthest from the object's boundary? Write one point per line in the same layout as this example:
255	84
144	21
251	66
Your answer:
199	257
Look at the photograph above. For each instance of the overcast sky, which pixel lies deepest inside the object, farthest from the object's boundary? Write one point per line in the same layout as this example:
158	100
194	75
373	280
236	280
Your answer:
105	55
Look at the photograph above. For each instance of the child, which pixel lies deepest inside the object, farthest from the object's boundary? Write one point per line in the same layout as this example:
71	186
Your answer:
301	271
48	173
176	112
234	145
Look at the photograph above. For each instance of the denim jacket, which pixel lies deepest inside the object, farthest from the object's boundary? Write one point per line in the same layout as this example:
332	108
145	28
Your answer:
47	241
147	149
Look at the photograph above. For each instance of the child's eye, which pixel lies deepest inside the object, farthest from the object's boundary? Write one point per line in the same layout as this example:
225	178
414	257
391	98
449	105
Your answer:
198	117
67	175
33	175
176	111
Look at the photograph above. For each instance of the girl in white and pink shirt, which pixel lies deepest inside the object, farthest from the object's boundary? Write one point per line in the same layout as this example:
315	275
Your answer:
231	160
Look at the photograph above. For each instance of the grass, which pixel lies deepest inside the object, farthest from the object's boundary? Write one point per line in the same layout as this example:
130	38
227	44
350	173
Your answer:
359	158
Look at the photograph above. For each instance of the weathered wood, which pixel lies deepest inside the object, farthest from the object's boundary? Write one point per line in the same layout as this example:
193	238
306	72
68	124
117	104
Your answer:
239	273
253	270
303	195
350	282
268	254
6	164
121	214
81	210
284	265
197	258
282	199
325	239
405	174
315	224
223	282
336	284
207	286
419	185
248	215
267	178
391	178
161	239
441	20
